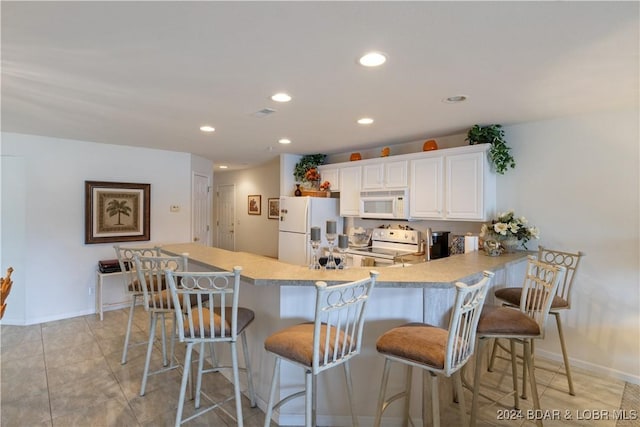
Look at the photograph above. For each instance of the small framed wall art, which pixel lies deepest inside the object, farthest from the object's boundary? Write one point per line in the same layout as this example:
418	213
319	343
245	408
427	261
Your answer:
255	204
116	212
274	208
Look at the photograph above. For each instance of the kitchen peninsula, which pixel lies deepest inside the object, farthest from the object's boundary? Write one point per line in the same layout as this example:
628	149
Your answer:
282	294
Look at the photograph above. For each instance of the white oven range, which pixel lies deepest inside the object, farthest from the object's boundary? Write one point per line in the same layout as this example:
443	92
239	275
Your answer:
387	246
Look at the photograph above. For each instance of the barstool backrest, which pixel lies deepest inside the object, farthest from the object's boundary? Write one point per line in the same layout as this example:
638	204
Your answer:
126	260
151	275
202	299
339	321
570	261
463	323
540	285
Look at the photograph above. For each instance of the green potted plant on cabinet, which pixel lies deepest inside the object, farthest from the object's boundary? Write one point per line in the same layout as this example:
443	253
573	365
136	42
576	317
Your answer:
306	170
499	154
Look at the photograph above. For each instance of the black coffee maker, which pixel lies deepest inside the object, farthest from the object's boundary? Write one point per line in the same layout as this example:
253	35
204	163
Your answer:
440	244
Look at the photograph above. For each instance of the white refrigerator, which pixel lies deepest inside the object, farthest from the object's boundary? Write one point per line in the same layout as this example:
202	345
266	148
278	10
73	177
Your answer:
297	216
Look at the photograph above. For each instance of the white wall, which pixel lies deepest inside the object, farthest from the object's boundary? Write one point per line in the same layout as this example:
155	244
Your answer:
43	218
577	180
254	233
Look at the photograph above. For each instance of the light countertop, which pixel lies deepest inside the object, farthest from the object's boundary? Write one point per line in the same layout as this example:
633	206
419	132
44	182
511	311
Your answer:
260	270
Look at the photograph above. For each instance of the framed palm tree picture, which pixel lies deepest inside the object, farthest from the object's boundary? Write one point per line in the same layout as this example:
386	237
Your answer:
116	212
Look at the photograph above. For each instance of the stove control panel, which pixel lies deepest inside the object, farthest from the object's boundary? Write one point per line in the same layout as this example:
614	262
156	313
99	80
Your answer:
396	235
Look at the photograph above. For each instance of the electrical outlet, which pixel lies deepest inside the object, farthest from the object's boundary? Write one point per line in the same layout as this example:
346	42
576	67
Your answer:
174	208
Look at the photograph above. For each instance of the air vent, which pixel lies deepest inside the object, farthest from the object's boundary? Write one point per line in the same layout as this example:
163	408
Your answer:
264	112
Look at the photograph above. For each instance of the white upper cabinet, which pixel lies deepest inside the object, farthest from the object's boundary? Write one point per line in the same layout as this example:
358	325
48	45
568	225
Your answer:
453	184
350	183
426	188
331	174
386	174
469	193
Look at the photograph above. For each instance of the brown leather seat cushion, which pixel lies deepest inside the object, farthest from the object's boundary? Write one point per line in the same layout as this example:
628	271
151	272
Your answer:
296	343
512	296
245	317
506	321
135	285
418	342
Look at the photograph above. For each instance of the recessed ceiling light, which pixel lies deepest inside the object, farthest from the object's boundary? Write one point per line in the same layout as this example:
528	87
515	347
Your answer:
284	141
223	166
455	99
207	128
281	97
365	121
373	59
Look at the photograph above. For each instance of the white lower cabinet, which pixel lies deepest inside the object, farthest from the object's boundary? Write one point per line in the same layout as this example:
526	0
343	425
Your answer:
350	182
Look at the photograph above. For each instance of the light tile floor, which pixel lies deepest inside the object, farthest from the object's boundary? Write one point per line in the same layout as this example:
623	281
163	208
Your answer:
68	373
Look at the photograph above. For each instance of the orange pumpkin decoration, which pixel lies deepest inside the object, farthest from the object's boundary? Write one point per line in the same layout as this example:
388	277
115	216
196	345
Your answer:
430	145
385	152
355	156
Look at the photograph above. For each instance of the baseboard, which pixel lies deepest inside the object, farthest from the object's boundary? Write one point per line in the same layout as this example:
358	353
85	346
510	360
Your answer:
591	367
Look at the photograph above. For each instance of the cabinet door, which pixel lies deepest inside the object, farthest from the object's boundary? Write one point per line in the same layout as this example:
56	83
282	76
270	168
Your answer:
426	188
395	174
350	182
384	175
464	186
332	175
373	176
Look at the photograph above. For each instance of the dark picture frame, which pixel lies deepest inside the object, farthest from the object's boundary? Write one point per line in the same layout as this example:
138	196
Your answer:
116	212
273	208
254	204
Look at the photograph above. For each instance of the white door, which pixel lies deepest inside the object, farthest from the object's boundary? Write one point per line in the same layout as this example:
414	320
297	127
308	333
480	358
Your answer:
226	217
293	248
201	210
350	180
426	188
465	185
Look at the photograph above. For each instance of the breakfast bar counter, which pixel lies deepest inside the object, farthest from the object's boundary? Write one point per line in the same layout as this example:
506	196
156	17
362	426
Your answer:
260	270
282	294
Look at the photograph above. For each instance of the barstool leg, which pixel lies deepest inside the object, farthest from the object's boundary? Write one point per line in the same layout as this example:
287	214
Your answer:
493	355
199	375
128	335
457	383
534	386
308	399
476	381
514	373
236	382
183	384
383	388
272	392
347	374
152	337
565	356
247	366
435	400
407	395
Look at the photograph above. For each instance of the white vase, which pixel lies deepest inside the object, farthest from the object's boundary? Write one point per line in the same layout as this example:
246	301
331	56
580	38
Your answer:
510	244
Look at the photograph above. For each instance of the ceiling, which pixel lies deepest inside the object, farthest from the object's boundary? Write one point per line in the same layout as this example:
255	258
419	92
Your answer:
151	73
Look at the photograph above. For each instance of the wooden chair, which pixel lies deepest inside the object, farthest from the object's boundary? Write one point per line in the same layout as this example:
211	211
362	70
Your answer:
435	350
159	304
5	289
562	300
207	312
519	325
332	339
132	285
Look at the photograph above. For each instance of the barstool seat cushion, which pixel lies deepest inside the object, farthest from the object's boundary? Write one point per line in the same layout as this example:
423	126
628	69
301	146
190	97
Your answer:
512	296
296	343
506	321
245	317
134	286
419	342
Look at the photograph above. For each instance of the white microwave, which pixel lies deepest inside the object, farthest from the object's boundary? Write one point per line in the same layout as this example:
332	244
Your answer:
393	204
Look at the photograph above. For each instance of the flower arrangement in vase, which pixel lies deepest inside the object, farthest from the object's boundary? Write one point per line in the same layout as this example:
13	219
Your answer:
510	231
